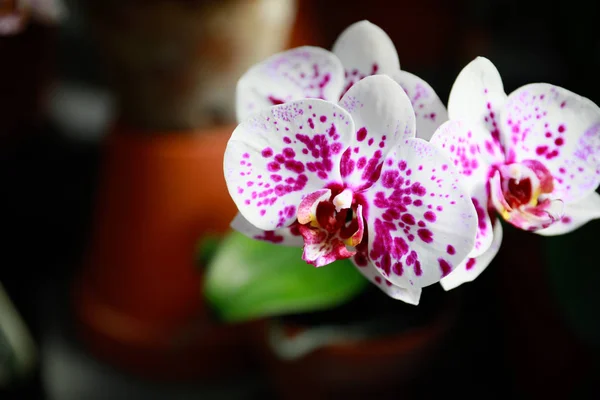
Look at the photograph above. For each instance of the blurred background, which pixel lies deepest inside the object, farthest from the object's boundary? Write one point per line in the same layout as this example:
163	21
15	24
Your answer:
112	122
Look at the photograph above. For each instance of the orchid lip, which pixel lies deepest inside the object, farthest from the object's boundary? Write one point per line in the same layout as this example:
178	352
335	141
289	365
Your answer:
521	193
329	222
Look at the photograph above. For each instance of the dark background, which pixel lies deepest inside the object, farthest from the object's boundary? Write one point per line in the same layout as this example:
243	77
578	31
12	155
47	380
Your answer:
527	328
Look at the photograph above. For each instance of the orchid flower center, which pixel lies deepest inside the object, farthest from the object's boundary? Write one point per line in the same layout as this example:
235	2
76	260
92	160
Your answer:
524	183
520	192
329	224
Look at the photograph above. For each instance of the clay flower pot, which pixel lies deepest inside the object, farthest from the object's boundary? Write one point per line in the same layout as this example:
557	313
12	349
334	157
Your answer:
138	301
305	358
173	66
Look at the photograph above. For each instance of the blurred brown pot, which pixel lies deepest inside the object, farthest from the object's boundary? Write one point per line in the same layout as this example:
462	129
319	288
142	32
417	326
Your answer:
173	65
382	367
139	300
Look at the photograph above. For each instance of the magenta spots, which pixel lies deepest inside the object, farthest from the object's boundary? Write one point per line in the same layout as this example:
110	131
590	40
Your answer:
430	216
275	101
311	123
444	266
470	263
270	236
323	119
355	75
361	134
346	164
450	250
426	235
408	219
561	128
267	152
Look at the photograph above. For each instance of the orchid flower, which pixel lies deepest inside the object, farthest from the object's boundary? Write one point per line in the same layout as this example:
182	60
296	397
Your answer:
15	14
532	156
363	49
350	180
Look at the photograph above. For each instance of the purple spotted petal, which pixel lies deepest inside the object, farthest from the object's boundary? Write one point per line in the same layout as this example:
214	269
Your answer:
281	154
575	215
288	236
304	72
430	112
365	49
470	269
473	152
421	223
478	96
369	271
383	117
561	130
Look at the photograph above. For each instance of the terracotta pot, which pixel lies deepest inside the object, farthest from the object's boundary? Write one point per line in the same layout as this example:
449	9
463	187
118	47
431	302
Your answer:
139	300
175	63
376	367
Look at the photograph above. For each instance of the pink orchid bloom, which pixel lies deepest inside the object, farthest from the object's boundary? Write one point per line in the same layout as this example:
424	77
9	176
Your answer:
533	156
15	14
351	180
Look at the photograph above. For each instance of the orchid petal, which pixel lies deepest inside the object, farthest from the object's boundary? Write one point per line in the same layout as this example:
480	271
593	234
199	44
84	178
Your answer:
365	49
369	271
430	112
288	236
280	155
473	152
478	96
421	222
470	269
470	149
561	130
383	116
303	72
575	215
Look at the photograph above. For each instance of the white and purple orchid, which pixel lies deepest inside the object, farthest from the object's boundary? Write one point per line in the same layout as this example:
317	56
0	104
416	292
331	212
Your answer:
15	14
532	156
348	180
352	181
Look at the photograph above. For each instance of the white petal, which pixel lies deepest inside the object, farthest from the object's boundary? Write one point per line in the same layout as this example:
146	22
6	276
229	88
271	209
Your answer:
407	295
470	269
473	152
303	72
281	154
561	130
575	215
429	109
478	96
421	222
365	49
288	236
383	117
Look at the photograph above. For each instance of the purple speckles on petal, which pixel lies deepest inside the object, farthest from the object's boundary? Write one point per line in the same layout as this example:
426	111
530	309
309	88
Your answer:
445	267
361	134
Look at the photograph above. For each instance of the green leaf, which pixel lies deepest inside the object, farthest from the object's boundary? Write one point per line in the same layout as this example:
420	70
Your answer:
248	279
206	249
